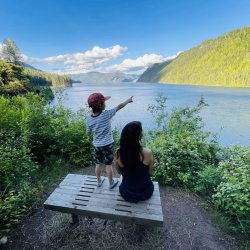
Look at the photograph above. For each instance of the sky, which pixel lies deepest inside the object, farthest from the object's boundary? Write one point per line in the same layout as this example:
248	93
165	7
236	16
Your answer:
79	36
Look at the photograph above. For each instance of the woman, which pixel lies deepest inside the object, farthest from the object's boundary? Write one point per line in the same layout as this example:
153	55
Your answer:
135	164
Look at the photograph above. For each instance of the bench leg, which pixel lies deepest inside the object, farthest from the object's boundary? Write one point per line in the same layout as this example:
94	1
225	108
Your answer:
75	218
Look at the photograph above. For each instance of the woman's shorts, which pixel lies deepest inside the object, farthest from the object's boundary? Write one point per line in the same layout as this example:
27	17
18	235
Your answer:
104	155
138	195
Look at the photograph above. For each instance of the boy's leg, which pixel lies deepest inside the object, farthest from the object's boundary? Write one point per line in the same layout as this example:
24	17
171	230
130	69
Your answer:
98	172
109	171
112	182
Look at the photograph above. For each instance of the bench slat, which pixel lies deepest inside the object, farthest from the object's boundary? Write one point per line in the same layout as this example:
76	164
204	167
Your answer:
99	194
98	204
106	213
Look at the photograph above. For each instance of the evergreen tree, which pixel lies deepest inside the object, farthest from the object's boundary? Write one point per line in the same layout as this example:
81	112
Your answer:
10	52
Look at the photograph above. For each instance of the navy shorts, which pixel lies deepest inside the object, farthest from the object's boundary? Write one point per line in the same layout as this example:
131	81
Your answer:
104	155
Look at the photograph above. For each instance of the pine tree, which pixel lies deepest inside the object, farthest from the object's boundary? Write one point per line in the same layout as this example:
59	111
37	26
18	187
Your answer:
10	52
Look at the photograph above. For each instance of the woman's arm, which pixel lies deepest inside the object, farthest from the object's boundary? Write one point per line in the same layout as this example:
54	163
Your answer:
151	164
148	159
117	163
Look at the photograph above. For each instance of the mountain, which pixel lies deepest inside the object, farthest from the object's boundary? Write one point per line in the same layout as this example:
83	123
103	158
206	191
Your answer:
151	74
98	77
223	61
26	65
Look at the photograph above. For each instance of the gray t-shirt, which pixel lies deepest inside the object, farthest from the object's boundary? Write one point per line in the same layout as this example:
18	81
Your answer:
100	127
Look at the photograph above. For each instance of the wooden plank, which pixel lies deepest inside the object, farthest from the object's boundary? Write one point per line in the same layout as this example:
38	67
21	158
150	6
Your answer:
99	197
97	204
100	203
103	196
146	213
78	180
100	194
106	214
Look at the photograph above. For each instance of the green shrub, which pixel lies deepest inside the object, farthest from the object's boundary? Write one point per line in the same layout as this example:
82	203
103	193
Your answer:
208	179
15	161
180	146
187	155
17	172
36	142
14	203
233	193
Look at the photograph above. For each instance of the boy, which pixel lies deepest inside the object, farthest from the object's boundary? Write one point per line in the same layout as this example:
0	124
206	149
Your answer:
99	124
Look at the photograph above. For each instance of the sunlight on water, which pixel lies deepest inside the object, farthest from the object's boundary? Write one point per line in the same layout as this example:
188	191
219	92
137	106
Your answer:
228	107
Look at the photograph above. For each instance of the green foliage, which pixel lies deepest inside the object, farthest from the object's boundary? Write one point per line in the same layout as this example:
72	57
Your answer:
15	161
233	193
208	179
224	61
33	136
180	146
62	132
15	203
38	77
187	155
10	72
14	81
116	136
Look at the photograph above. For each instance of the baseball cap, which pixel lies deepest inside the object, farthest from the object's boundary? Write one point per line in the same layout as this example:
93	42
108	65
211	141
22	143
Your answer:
96	100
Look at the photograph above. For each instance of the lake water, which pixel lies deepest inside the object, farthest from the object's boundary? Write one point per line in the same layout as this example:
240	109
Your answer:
228	112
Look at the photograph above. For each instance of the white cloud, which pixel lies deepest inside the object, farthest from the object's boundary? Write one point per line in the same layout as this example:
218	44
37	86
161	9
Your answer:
95	56
140	63
95	59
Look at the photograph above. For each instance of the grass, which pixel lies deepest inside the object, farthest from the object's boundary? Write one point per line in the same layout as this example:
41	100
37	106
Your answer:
98	234
226	225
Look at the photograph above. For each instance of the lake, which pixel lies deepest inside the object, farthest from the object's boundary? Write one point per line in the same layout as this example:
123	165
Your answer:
228	112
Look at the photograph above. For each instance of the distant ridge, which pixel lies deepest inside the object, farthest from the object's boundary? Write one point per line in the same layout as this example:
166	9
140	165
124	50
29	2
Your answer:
26	65
223	61
98	77
152	73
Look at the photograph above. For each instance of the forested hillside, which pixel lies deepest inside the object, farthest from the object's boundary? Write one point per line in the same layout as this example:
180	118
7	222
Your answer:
223	61
54	80
15	79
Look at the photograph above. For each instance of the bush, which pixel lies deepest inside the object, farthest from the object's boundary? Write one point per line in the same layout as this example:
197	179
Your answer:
187	155
180	146
208	179
233	193
15	161
17	172
34	140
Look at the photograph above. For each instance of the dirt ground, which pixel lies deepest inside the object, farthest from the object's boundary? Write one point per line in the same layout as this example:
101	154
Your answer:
187	225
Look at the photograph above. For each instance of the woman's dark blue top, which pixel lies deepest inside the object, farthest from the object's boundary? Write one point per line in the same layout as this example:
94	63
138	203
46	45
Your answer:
136	184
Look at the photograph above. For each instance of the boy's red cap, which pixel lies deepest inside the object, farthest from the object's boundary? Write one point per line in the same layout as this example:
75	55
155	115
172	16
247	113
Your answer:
96	100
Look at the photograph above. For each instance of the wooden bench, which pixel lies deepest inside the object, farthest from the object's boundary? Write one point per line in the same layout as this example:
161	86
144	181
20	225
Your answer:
79	195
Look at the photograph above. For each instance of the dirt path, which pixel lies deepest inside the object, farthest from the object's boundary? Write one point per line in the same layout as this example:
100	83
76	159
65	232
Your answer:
187	225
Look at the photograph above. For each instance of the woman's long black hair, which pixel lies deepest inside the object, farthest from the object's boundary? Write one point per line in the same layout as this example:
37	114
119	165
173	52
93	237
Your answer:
130	150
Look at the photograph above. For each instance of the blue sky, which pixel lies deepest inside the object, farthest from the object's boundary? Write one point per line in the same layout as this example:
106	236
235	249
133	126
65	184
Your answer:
107	35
